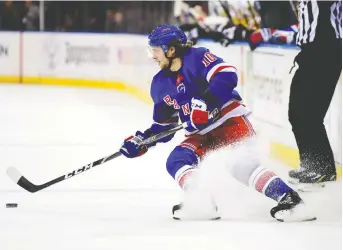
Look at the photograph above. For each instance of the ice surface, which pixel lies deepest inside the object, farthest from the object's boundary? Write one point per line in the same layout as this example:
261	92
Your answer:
125	204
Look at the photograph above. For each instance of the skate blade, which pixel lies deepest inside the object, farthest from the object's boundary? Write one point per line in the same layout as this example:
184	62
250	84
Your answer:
310	187
303	220
294	218
298	214
194	216
293	181
196	219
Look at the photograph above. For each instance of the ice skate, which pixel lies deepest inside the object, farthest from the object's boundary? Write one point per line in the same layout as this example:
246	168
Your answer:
291	208
308	180
295	174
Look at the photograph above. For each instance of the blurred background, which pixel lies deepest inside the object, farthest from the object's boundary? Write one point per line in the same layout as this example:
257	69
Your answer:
75	80
222	21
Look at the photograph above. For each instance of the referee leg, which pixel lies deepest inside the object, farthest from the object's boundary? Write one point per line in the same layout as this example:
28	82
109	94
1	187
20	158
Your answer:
312	88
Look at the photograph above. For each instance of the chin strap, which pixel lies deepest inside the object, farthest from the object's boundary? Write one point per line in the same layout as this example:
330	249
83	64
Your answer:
170	59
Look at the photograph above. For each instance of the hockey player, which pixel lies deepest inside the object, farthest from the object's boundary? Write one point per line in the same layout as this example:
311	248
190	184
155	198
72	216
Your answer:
198	88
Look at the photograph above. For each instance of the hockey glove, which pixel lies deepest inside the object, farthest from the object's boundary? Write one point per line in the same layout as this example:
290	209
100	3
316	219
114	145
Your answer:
133	146
201	116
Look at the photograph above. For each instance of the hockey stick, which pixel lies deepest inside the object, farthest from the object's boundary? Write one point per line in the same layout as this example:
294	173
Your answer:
294	8
18	178
227	11
251	10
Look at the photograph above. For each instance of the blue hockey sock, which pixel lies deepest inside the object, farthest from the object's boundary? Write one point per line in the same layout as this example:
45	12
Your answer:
276	189
268	183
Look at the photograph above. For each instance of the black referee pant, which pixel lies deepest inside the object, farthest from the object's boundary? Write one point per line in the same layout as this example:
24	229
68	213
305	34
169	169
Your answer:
312	88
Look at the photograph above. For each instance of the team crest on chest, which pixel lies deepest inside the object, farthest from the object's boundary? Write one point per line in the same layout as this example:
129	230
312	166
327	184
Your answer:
180	86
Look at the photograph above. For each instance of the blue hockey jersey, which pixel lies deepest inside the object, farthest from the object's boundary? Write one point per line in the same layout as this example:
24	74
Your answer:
200	71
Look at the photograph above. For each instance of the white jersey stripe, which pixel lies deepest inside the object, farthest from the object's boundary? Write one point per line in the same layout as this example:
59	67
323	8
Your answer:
213	71
315	11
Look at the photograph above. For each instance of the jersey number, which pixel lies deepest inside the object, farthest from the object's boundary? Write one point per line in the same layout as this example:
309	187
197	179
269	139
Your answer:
208	58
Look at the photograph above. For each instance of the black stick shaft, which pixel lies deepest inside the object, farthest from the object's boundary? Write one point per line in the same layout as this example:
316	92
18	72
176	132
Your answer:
23	182
29	186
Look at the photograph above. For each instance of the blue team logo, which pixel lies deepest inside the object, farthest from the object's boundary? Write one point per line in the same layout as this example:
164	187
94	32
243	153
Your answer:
181	88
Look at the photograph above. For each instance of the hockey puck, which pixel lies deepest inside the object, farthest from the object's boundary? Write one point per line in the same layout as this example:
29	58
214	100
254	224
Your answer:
11	205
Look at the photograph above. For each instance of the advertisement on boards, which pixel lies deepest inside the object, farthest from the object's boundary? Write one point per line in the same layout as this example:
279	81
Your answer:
69	55
268	86
9	54
86	54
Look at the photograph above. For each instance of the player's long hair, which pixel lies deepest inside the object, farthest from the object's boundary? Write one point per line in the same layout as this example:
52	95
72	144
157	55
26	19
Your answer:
180	49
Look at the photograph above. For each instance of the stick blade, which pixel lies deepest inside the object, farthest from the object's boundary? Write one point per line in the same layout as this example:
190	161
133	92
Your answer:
14	174
18	178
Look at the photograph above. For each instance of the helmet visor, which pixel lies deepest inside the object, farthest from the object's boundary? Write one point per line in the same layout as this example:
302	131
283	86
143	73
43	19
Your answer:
155	51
